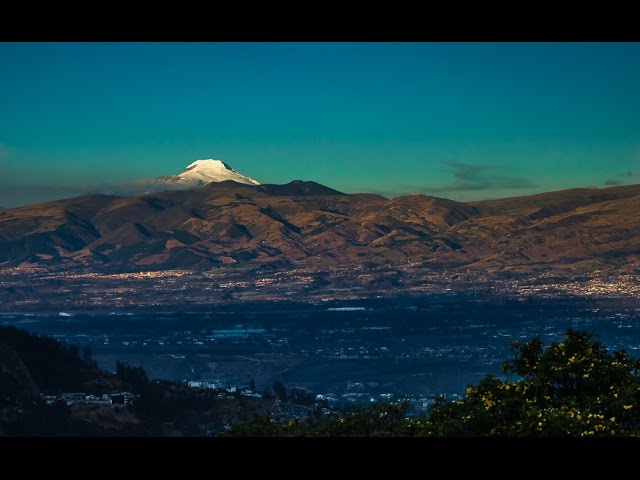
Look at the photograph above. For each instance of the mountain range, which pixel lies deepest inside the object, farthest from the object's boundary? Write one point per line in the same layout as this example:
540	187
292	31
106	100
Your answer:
226	218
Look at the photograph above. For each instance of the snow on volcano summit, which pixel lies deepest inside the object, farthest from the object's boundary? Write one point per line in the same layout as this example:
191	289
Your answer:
200	173
195	175
209	170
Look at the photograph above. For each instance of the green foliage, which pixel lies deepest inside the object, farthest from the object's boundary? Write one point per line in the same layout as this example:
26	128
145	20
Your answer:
576	387
31	364
381	420
571	388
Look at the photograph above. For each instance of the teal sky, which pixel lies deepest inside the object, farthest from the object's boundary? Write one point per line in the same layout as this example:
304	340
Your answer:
460	120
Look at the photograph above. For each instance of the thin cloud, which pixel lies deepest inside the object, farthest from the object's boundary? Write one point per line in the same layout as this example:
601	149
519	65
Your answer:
142	186
612	182
472	178
360	189
468	177
14	195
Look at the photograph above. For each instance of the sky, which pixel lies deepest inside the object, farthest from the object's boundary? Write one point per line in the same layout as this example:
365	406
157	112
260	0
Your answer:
465	121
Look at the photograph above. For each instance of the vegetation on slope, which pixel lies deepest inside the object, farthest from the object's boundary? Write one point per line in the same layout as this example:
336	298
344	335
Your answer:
576	387
44	361
571	388
33	365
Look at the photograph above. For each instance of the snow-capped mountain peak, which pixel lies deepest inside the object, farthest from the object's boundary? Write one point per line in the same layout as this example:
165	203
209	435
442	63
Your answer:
200	173
210	170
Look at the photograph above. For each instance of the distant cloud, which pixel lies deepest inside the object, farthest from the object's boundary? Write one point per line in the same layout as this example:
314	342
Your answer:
472	178
612	182
13	195
365	189
468	177
151	185
138	187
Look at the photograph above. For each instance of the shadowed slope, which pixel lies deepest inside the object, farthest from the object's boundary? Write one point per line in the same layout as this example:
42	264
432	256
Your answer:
308	223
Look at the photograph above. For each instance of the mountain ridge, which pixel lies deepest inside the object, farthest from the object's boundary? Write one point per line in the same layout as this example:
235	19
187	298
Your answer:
306	223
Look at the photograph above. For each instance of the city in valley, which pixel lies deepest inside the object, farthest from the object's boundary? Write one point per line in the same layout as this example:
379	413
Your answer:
35	288
420	336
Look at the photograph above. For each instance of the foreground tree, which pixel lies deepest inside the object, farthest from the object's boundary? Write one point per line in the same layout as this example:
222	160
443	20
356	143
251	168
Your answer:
571	388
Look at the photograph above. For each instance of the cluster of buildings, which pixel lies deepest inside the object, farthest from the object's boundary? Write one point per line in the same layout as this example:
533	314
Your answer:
222	389
604	286
109	399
